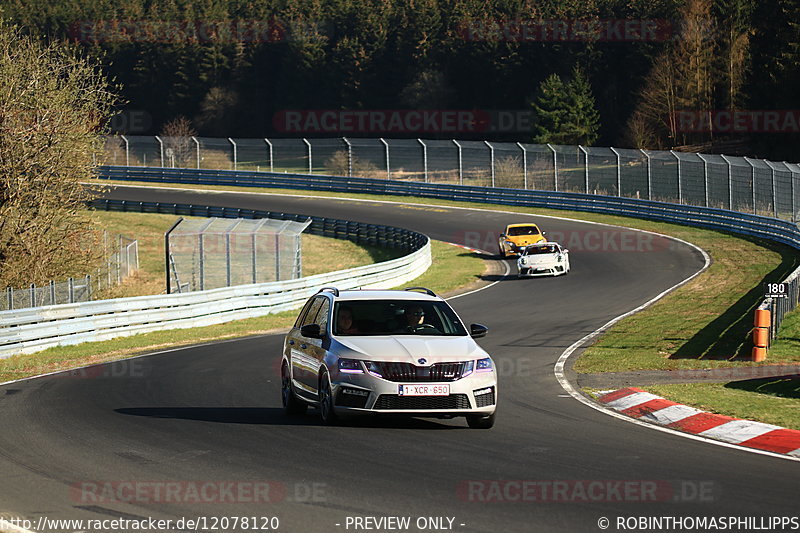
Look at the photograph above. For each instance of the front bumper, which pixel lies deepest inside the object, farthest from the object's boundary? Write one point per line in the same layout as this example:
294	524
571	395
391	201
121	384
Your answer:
542	269
368	394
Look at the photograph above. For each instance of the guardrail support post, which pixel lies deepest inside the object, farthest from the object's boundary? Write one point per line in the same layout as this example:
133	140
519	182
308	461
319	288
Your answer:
491	154
585	167
310	167
555	168
460	164
649	176
524	166
388	171
424	158
269	145
127	151
161	149
235	155
197	147
619	171
730	181
680	181
349	157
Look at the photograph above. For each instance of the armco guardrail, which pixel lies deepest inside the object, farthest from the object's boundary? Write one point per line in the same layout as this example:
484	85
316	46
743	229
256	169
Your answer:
34	329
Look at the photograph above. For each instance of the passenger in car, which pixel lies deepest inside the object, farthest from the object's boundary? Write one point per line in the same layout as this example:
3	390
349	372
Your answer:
344	322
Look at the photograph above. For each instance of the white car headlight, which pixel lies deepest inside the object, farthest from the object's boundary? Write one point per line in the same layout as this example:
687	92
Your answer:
485	365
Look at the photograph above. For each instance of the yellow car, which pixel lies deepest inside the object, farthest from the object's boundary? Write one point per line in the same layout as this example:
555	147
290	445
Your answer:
518	236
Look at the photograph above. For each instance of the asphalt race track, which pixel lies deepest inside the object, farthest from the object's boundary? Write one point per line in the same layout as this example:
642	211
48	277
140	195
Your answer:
212	414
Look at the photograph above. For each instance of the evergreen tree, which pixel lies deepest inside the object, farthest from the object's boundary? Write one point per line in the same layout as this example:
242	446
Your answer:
566	112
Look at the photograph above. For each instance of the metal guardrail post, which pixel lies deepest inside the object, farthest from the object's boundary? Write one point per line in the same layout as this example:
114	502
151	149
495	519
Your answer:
460	165
269	145
491	154
619	171
424	158
161	149
235	155
349	157
197	145
585	167
127	151
524	166
388	171
555	167
649	176
730	181
310	167
680	181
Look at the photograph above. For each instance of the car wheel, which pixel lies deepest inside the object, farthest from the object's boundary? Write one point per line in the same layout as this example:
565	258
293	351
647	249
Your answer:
501	251
292	405
480	421
326	411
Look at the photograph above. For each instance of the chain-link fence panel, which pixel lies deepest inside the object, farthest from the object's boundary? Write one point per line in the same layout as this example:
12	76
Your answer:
369	158
216	154
252	155
442	161
664	180
693	180
741	179
602	167
179	152
633	173
764	187
476	163
783	189
330	156
718	179
290	155
570	169
539	165
114	152
509	169
142	151
406	159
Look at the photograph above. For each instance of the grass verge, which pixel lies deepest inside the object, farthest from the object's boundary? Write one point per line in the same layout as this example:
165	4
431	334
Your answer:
773	401
452	268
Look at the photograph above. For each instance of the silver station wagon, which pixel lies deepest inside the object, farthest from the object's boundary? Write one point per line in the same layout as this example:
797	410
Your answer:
399	352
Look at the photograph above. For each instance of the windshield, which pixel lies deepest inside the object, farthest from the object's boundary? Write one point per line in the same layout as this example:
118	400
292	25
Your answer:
523	230
396	317
534	250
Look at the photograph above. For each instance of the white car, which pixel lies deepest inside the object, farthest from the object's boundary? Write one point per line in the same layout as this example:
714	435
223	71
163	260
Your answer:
387	352
543	259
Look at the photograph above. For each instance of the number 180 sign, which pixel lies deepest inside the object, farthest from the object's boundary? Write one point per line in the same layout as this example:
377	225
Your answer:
775	290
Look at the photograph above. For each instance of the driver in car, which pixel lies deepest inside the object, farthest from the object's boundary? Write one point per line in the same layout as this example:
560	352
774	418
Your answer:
415	321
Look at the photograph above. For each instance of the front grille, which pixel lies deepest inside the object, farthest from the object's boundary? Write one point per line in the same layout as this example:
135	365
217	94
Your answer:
406	372
482	400
393	401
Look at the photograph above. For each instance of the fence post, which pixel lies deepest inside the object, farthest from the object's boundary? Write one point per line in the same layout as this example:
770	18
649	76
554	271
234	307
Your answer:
524	166
619	171
71	290
585	166
33	294
88	281
460	165
680	180
202	261
349	157
310	167
235	155
491	154
161	149
649	176
53	292
424	158
197	145
388	172
774	191
269	145
752	182
127	151
277	257
730	182
791	188
10	297
555	168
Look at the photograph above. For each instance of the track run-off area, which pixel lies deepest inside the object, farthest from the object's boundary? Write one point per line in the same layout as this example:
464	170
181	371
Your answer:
145	437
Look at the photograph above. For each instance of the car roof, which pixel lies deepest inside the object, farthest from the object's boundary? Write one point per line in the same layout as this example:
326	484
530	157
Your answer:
371	294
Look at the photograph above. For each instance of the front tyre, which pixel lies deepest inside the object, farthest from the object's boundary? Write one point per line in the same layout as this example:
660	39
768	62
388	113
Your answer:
326	411
481	421
292	405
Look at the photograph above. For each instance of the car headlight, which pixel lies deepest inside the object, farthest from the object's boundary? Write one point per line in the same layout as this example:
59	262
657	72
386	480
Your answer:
350	366
468	368
485	365
510	243
373	369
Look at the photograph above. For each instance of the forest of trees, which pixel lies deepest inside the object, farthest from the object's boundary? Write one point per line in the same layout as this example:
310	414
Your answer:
231	66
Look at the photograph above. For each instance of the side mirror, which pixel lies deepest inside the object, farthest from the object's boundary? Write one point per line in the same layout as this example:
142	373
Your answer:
312	331
503	235
477	331
544	233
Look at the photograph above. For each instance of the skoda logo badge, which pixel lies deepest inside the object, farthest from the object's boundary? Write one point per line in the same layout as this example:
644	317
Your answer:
422	361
